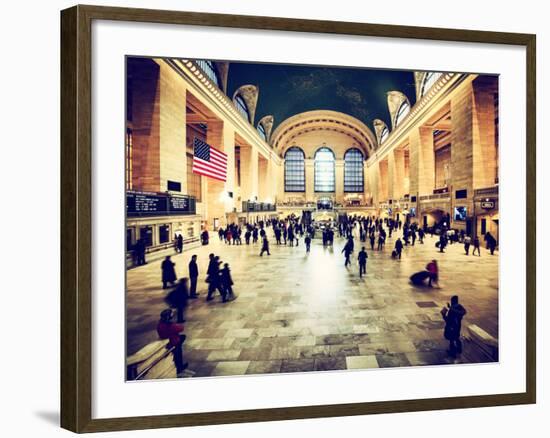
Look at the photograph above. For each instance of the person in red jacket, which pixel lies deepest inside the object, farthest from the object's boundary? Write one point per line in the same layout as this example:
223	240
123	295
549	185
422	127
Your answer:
167	329
433	270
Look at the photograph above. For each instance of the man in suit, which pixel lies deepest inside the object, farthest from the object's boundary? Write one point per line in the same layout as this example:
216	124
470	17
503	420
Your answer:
193	276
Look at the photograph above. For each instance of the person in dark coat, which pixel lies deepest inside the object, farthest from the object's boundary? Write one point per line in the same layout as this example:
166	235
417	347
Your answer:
166	329
372	240
265	246
398	248
491	243
362	258
140	251
442	241
227	283
177	299
179	243
168	272
453	314
211	274
476	247
307	241
348	249
193	276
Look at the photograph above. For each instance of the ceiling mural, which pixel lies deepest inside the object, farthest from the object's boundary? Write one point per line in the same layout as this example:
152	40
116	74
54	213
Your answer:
286	90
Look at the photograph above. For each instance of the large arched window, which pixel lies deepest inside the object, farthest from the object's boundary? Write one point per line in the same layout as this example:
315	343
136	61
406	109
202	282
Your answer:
242	108
429	79
261	131
353	171
384	134
209	69
402	112
324	170
295	172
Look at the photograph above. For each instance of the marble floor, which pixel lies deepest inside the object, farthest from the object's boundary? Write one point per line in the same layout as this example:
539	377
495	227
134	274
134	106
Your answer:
299	312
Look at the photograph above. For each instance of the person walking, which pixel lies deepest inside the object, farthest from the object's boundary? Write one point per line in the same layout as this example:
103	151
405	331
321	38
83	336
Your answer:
168	272
140	250
177	299
452	315
398	248
491	242
467	243
476	247
166	329
442	242
372	240
380	241
227	283
193	276
265	247
362	258
421	235
307	241
433	271
179	243
348	249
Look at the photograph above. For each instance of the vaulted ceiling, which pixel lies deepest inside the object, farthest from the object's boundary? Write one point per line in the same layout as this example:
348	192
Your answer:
286	90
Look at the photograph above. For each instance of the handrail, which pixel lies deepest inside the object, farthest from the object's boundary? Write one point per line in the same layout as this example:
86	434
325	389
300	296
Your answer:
131	369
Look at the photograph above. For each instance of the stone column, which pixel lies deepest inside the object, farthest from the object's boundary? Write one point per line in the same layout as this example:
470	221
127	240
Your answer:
398	173
462	139
383	193
263	179
310	175
222	137
145	91
483	133
422	161
249	173
339	181
374	182
172	129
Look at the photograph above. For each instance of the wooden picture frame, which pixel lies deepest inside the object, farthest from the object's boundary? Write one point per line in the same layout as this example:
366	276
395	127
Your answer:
76	218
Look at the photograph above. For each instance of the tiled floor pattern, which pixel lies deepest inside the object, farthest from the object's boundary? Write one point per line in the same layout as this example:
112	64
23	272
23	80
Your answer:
300	312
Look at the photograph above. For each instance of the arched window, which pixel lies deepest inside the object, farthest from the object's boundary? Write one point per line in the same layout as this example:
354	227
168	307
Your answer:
430	79
295	171
241	107
261	131
353	171
324	170
209	70
402	112
384	134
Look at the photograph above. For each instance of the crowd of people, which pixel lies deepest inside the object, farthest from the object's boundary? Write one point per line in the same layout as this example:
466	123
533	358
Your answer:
289	231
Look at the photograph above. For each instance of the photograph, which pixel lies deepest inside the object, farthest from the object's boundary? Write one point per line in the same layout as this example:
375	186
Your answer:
296	218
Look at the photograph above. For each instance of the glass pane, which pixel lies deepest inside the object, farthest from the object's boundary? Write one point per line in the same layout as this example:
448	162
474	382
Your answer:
295	176
353	171
324	170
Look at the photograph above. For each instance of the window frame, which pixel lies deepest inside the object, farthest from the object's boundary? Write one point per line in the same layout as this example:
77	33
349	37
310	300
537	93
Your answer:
401	114
353	187
300	170
242	107
316	171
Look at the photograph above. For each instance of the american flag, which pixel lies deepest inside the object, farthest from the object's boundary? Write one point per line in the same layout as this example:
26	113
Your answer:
209	161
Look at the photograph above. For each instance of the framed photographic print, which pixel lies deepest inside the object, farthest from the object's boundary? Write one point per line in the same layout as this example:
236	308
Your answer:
267	219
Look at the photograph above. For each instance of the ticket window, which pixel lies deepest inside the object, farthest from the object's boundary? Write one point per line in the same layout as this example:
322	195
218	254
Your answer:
146	233
164	233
